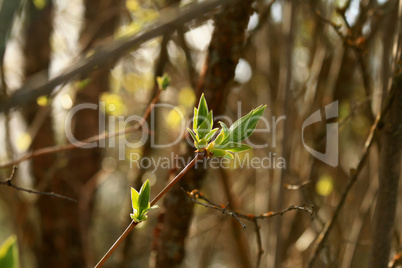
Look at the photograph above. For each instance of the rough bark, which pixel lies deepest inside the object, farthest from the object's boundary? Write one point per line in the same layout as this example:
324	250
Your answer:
64	241
390	144
223	55
390	172
37	51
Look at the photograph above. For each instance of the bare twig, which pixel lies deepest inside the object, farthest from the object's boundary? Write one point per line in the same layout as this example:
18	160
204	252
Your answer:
296	186
260	251
153	202
103	136
168	22
195	194
347	39
319	243
9	183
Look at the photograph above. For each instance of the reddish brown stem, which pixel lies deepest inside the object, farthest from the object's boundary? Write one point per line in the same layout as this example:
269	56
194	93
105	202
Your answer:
177	178
153	202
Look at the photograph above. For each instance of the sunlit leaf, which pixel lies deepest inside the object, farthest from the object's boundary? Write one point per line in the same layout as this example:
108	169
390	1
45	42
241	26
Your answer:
140	202
195	120
163	81
134	199
245	126
222	135
228	156
211	134
192	134
143	200
9	253
237	147
202	111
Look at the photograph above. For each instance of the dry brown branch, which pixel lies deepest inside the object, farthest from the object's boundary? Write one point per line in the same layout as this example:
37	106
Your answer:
9	183
194	195
100	137
323	236
260	251
131	226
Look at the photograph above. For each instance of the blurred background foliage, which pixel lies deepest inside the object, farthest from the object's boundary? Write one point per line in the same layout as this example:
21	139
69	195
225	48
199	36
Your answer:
295	56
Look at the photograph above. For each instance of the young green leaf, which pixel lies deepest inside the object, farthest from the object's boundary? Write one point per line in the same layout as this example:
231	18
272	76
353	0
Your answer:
245	126
134	198
9	256
228	156
140	202
143	200
211	134
204	129
193	135
163	81
252	122
195	120
229	139
223	135
202	111
236	147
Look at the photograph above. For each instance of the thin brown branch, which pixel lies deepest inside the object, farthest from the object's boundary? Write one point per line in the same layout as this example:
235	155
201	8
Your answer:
195	194
96	138
9	183
260	251
240	238
347	39
296	186
177	178
323	236
153	202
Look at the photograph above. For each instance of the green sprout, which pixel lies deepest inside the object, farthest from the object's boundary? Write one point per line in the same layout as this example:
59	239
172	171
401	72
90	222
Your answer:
163	81
229	139
140	203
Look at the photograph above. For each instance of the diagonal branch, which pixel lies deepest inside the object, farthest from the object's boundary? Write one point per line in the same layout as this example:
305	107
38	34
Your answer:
323	236
169	21
9	183
100	137
194	195
131	226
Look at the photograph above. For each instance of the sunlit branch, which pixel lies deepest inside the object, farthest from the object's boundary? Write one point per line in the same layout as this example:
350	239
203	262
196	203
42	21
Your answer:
153	202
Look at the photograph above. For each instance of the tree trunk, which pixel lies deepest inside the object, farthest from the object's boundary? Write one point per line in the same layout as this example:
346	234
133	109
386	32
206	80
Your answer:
390	172
223	55
63	227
